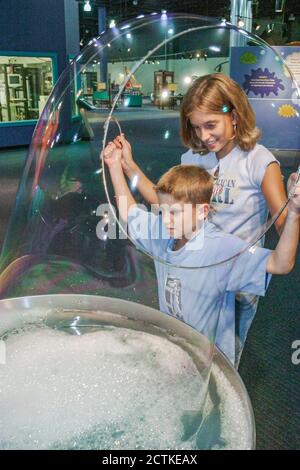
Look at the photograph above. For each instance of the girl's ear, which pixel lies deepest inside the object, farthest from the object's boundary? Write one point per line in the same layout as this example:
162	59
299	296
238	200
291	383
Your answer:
234	117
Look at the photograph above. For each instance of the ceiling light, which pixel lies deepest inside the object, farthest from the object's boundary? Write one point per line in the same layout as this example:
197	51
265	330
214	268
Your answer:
87	6
164	16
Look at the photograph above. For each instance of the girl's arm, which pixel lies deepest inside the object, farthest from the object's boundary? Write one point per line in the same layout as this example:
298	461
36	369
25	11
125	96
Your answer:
274	192
282	259
134	173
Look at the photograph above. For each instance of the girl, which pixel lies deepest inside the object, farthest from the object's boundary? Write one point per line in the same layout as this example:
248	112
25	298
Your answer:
218	126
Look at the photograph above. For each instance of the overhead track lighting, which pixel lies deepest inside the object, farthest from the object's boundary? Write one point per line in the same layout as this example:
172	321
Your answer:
87	6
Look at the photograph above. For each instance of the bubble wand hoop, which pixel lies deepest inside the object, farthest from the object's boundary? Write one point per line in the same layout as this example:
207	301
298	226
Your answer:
293	188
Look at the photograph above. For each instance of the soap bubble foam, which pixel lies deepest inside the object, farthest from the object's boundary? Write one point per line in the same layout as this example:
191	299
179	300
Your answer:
112	388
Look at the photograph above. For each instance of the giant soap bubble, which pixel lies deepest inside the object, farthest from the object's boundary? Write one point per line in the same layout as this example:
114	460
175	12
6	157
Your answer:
65	236
124	82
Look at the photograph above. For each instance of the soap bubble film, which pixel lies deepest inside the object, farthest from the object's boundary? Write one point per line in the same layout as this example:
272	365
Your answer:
59	207
65	236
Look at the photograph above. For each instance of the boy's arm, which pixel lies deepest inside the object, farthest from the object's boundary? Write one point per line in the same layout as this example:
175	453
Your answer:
134	173
282	260
124	198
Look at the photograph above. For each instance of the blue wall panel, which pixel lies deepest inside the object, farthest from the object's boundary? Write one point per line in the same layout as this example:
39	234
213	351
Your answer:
50	26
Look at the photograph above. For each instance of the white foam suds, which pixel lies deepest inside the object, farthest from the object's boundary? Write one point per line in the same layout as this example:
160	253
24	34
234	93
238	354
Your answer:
110	389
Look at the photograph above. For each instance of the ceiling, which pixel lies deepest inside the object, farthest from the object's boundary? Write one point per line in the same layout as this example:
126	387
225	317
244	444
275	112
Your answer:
120	10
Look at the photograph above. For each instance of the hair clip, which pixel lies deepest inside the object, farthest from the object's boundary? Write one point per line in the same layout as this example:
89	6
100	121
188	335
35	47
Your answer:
225	108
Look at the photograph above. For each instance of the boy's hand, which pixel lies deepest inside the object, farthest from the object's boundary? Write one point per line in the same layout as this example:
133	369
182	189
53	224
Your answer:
127	158
294	204
112	155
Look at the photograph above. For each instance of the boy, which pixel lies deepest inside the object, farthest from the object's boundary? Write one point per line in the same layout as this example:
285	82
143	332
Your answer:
182	238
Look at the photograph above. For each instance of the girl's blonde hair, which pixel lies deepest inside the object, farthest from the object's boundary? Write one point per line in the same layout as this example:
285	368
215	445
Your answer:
187	183
218	94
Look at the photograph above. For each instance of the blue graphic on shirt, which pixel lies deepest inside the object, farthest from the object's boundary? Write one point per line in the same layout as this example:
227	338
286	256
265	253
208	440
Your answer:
223	191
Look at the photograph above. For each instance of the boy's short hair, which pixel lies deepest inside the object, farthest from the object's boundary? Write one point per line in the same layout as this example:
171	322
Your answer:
187	183
218	94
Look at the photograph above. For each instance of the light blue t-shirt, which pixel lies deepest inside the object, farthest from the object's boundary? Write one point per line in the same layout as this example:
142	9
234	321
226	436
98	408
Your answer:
240	206
198	296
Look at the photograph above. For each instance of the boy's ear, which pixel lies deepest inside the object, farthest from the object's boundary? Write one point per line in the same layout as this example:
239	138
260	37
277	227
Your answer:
203	210
234	117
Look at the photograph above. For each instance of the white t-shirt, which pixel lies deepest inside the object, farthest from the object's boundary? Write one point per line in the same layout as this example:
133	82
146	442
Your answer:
205	297
240	206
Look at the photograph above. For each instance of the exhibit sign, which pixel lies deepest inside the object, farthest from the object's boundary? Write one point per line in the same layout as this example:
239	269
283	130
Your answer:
272	93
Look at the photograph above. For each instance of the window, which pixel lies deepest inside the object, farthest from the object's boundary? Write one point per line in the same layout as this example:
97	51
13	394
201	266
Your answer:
25	84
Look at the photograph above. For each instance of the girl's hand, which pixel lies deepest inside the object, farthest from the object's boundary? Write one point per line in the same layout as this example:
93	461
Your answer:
294	204
127	158
112	155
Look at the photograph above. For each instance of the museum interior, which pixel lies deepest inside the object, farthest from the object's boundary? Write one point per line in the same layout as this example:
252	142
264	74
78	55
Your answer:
74	75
